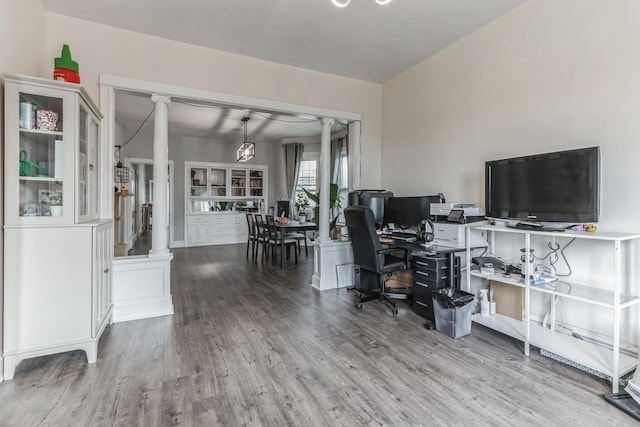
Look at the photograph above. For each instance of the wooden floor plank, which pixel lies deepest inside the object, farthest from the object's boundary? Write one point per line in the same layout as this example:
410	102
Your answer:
252	344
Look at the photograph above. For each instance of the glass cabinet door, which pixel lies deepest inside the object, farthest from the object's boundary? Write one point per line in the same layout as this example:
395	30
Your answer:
87	173
41	150
218	182
256	183
199	181
238	182
83	152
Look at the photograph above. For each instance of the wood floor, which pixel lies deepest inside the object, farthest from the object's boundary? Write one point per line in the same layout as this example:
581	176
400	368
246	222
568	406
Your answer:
250	344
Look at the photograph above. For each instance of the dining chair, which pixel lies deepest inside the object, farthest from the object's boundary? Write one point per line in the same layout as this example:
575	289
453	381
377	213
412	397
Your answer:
276	240
251	235
262	236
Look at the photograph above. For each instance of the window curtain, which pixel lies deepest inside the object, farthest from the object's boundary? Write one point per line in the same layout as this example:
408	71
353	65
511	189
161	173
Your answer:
292	158
338	146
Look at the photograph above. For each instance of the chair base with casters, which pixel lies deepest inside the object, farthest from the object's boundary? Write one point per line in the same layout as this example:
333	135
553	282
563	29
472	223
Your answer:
371	286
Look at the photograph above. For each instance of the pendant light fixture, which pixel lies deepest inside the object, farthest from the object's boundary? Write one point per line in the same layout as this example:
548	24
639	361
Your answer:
345	3
120	173
247	150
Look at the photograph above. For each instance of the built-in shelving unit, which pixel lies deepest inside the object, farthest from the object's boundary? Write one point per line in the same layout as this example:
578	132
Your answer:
621	292
217	196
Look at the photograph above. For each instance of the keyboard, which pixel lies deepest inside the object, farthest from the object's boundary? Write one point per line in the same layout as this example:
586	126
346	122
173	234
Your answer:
403	236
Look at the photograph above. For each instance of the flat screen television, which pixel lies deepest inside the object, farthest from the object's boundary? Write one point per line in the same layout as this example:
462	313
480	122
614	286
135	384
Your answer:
553	187
407	212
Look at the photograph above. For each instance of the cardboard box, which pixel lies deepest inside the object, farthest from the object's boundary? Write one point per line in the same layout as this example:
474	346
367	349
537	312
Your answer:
509	299
401	281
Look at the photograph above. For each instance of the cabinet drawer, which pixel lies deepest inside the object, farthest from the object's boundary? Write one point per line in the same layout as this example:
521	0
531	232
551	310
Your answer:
198	219
429	275
429	285
423	308
430	263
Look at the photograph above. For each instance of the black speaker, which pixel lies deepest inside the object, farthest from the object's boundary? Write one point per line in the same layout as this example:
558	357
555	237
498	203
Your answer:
426	235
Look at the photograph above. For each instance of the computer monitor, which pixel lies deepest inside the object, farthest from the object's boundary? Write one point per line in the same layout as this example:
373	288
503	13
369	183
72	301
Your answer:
407	212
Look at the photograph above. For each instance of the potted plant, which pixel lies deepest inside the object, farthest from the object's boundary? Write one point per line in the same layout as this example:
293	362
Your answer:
54	201
302	203
334	204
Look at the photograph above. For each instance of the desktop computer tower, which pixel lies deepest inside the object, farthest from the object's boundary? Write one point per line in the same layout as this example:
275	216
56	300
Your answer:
373	199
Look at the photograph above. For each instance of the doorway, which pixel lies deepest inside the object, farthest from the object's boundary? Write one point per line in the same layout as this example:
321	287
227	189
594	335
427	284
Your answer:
136	212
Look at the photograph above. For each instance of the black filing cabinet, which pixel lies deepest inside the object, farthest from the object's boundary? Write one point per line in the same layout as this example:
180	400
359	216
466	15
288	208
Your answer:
429	274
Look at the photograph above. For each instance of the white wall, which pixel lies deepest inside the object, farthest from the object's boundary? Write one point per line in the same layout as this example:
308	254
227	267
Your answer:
108	50
551	75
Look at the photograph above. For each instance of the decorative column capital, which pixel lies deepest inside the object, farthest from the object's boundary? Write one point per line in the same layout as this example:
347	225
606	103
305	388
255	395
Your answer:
328	121
165	99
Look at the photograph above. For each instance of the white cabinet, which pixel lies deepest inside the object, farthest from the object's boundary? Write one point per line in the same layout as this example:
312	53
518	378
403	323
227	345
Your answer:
216	228
51	152
603	288
59	300
198	229
217	196
58	253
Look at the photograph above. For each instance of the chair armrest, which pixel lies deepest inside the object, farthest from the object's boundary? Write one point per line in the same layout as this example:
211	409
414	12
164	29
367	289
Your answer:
395	249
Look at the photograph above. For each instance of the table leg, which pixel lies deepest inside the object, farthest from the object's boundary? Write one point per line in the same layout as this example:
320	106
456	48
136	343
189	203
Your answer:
281	250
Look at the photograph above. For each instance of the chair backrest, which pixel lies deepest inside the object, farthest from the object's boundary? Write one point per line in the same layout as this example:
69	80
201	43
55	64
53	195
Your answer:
364	240
271	227
251	223
261	227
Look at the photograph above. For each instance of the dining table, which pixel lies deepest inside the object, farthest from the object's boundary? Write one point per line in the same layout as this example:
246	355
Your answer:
292	227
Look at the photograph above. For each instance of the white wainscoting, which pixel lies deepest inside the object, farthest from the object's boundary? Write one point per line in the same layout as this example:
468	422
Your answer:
329	257
141	287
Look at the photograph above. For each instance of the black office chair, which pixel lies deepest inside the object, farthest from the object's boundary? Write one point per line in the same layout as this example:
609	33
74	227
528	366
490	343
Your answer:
370	257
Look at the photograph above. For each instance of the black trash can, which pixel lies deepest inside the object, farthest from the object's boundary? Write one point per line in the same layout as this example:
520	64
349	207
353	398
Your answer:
452	309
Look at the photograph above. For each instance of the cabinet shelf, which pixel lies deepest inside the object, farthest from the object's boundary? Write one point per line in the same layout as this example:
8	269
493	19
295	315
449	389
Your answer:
40	178
41	132
591	355
617	291
567	290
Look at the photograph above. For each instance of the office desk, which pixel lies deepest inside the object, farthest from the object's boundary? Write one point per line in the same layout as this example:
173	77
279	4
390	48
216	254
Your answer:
290	228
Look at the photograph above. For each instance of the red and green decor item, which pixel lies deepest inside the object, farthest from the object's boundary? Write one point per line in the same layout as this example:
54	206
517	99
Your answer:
65	68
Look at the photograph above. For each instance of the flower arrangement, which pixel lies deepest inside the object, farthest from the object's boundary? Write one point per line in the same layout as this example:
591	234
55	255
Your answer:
302	202
54	199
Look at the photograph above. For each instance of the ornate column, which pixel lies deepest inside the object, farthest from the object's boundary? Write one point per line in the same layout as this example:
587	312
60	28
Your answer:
328	255
159	239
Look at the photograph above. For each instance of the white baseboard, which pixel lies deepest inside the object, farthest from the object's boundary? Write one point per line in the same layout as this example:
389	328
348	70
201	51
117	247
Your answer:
142	308
177	244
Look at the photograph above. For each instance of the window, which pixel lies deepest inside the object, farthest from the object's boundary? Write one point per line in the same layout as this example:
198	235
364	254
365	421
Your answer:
307	177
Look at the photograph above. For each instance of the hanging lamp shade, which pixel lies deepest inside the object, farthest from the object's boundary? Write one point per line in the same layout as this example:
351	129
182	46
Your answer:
247	150
120	173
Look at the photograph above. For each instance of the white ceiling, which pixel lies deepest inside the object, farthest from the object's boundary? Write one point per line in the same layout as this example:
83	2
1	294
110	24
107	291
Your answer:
364	40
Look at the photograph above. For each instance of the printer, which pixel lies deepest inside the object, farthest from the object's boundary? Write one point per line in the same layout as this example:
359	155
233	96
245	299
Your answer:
454	235
444	209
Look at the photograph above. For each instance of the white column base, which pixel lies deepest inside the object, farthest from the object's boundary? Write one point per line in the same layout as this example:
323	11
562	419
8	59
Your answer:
142	287
327	256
